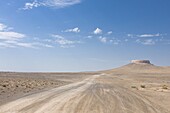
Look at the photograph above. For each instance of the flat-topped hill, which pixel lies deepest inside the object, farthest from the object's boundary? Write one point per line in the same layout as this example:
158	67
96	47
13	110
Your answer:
140	66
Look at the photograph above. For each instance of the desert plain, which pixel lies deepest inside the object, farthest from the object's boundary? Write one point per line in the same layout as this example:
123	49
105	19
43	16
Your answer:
139	87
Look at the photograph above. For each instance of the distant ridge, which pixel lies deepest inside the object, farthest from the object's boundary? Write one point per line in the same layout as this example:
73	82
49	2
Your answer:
140	66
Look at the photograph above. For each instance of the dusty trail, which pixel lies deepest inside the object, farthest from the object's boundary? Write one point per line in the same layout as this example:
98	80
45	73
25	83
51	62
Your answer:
88	96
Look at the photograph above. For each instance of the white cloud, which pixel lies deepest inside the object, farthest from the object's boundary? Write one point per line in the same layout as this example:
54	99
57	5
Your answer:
5	34
6	45
57	36
109	33
40	44
147	39
2	27
97	31
12	39
16	43
149	35
50	3
65	43
103	39
89	37
60	3
11	35
75	30
149	42
47	40
109	40
130	35
62	41
67	46
144	35
115	42
48	46
146	42
31	5
26	45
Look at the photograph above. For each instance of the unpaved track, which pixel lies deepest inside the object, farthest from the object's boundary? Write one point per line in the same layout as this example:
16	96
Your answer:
92	95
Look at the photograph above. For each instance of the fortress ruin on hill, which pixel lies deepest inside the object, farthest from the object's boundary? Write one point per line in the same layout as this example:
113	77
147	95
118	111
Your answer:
141	62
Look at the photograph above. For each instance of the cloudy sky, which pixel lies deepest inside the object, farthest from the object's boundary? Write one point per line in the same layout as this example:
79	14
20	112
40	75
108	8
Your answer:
82	35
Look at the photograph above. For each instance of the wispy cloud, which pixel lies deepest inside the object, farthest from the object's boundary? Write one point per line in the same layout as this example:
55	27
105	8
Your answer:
21	44
65	43
11	35
6	45
2	27
60	3
131	35
146	42
108	40
89	37
16	44
115	41
50	3
149	35
144	35
97	31
13	39
147	39
109	33
75	30
5	34
32	5
103	39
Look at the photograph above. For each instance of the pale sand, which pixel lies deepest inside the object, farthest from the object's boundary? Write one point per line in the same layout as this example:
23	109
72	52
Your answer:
121	90
16	85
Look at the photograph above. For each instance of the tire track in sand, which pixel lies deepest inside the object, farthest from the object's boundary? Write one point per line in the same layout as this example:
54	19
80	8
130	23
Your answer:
88	96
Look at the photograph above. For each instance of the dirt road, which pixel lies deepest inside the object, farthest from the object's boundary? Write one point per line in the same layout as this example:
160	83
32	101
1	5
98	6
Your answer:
96	94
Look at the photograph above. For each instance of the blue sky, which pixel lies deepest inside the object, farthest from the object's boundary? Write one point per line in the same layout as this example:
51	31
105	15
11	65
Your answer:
82	35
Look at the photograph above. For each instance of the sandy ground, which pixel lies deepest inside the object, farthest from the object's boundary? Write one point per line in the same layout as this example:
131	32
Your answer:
111	91
16	85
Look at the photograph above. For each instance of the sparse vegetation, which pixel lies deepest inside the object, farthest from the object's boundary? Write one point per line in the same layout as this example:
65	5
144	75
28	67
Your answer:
3	85
164	87
142	86
133	87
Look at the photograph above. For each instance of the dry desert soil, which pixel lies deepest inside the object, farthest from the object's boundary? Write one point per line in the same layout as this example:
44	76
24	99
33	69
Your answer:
134	88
